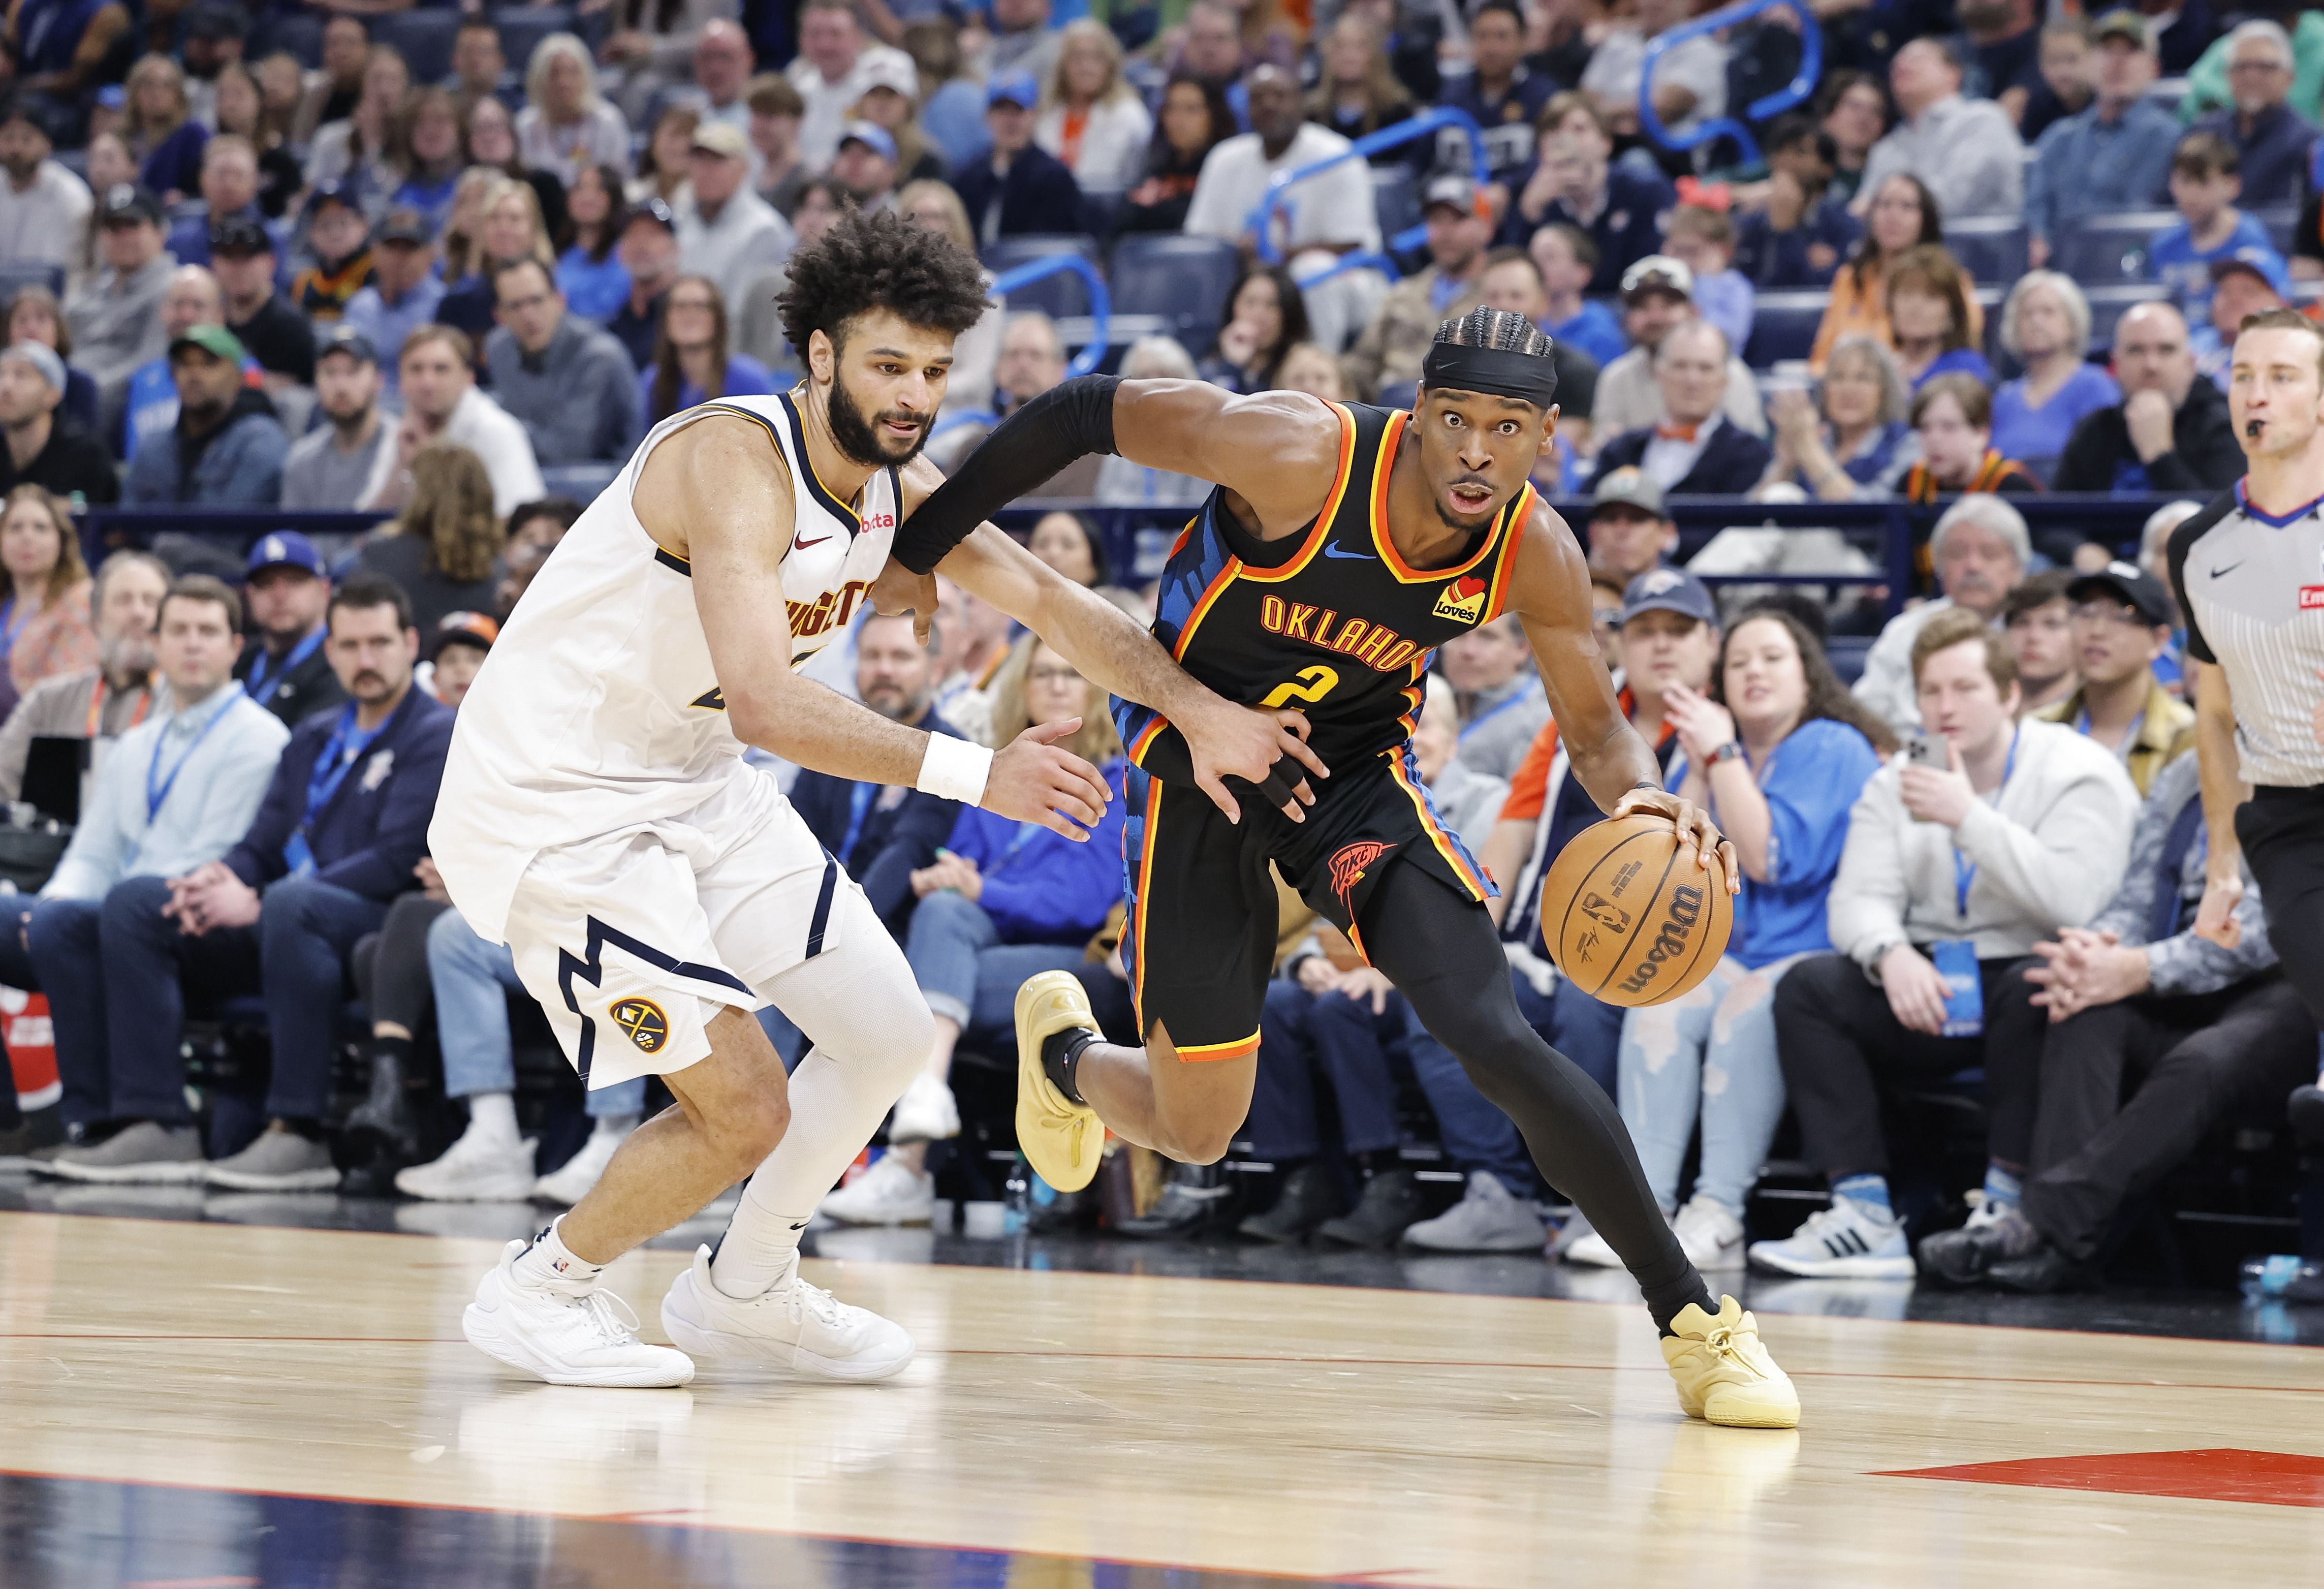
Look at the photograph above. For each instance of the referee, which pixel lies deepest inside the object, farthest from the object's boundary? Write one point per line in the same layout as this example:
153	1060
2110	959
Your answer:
2249	574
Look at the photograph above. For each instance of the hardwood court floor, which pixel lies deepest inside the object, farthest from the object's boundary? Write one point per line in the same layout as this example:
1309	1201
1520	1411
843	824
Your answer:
156	1377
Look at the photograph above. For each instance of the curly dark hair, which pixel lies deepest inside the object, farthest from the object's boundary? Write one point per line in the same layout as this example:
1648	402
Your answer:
883	261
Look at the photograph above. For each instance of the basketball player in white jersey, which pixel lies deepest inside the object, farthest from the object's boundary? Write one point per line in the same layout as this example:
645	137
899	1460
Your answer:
596	815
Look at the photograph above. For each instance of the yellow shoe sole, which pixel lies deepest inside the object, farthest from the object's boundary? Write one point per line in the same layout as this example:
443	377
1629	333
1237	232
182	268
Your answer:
1062	1140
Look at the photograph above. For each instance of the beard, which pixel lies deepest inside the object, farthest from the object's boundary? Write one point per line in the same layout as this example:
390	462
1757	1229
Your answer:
124	656
853	431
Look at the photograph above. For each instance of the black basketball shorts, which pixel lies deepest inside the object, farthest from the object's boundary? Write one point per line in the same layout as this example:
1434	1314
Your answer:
1199	946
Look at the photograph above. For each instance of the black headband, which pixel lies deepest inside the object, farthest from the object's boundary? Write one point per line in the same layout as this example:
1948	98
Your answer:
1528	378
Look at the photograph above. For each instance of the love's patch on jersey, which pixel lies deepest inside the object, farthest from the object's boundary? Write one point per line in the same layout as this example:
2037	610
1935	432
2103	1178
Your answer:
643	1022
1463	601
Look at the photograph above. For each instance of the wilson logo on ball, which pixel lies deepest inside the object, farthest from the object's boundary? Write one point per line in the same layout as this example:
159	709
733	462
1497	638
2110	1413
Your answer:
1671	942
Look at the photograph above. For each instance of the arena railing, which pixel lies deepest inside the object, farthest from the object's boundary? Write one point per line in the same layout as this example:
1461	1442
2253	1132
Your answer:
1795	92
1427	124
1137	539
1101	302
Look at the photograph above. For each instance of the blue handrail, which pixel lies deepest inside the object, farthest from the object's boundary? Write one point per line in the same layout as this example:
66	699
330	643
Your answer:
1427	124
1101	300
1802	85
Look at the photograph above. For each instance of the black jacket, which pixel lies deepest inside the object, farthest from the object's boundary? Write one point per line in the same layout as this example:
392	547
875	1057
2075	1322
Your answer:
2098	456
1037	195
298	694
1732	461
901	830
72	462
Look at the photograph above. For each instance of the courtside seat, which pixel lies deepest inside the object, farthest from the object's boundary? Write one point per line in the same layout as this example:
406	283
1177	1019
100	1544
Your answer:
1992	247
1183	282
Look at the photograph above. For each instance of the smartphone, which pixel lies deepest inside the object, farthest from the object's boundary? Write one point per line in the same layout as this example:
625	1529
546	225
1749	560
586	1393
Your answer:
1928	750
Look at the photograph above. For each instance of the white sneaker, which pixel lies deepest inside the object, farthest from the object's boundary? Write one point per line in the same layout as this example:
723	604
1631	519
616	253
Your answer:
589	1339
793	1324
1487	1219
1592	1251
891	1192
1711	1235
570	1181
1846	1242
926	1113
480	1168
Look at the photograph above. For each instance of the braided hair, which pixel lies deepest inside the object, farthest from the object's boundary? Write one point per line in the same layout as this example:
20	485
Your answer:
1502	329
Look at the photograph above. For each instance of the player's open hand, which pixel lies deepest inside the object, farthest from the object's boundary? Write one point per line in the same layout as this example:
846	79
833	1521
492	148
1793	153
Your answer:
897	590
1033	780
1694	826
1255	744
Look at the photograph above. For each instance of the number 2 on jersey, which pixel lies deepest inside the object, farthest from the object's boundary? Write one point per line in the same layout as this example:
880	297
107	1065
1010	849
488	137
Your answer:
1311	685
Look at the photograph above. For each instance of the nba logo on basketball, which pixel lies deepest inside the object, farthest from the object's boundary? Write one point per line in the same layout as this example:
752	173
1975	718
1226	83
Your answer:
1463	601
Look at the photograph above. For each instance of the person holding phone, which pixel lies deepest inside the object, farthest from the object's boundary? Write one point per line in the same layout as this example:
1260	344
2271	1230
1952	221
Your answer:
1987	836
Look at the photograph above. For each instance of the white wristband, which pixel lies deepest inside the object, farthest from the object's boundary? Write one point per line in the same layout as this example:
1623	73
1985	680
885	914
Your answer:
955	769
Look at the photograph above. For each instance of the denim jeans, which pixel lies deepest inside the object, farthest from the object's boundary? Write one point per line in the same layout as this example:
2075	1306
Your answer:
1475	1133
1711	1054
473	980
965	972
1300	1033
116	972
1586	1030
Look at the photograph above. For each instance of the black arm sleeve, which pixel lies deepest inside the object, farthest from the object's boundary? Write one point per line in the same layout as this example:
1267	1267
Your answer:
1066	423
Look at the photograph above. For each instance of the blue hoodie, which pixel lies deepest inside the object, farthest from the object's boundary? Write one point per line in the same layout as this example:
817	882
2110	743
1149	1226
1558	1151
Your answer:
1041	887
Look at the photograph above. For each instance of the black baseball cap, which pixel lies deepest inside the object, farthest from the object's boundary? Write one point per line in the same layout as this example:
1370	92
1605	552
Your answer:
2125	582
342	194
124	202
471	629
240	234
406	226
346	339
654	210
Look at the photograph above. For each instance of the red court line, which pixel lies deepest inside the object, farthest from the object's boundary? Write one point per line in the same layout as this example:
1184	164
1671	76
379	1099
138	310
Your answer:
620	1519
1805	1373
2260	1478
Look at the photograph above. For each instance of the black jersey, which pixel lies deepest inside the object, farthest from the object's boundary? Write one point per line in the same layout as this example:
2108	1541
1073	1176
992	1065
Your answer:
1334	621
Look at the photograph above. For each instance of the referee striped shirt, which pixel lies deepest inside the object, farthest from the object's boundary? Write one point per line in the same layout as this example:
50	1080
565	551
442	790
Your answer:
2252	587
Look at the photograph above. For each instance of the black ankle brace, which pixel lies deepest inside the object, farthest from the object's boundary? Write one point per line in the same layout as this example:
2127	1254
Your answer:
1061	1057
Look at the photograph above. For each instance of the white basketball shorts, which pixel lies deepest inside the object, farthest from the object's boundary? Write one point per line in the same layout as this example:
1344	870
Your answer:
631	942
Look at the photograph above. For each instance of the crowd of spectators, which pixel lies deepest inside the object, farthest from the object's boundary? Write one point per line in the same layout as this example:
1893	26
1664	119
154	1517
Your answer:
432	287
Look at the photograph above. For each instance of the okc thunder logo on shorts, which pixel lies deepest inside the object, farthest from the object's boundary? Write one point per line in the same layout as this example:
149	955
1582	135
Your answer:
643	1023
1347	866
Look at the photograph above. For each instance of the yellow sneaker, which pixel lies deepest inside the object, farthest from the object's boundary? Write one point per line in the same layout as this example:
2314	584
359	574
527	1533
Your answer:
1724	1375
1061	1139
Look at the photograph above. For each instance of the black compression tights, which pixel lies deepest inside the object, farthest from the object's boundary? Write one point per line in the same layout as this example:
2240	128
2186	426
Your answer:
1441	952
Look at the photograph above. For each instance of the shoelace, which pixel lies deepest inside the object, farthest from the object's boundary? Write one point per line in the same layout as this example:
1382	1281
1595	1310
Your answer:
803	1296
610	1318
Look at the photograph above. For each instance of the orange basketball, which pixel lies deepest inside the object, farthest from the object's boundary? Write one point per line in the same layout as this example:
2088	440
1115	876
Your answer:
1630	917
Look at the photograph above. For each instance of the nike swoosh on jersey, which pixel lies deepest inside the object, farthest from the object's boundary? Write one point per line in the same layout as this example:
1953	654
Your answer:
2231	567
1331	551
803	545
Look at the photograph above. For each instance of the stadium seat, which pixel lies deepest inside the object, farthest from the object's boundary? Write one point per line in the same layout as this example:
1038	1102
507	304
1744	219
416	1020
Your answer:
2107	304
581	482
1183	282
300	33
523	27
1395	198
1846	653
24	274
2100	250
1784	327
423	38
1993	247
2283	224
1059	295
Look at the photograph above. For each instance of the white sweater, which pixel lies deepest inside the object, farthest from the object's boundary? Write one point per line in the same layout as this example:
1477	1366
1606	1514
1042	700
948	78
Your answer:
2049	854
1112	156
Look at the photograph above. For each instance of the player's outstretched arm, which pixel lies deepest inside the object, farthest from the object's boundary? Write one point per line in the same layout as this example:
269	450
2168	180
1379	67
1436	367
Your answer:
1226	741
716	494
1549	590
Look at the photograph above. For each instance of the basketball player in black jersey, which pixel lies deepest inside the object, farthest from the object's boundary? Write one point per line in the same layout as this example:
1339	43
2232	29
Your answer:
1343	545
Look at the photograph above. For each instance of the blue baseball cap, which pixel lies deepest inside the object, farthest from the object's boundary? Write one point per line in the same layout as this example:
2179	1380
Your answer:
871	136
1015	88
281	549
1669	590
2262	263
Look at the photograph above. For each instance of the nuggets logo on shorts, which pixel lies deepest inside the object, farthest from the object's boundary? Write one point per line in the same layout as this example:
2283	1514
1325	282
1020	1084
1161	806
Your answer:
643	1023
1463	601
1348	864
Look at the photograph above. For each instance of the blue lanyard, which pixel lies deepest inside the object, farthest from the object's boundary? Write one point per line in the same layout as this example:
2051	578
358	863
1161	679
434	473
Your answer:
1964	869
1490	713
256	683
156	795
859	806
1027	832
331	767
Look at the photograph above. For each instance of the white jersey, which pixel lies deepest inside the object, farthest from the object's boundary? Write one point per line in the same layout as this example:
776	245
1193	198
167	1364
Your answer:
597	709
